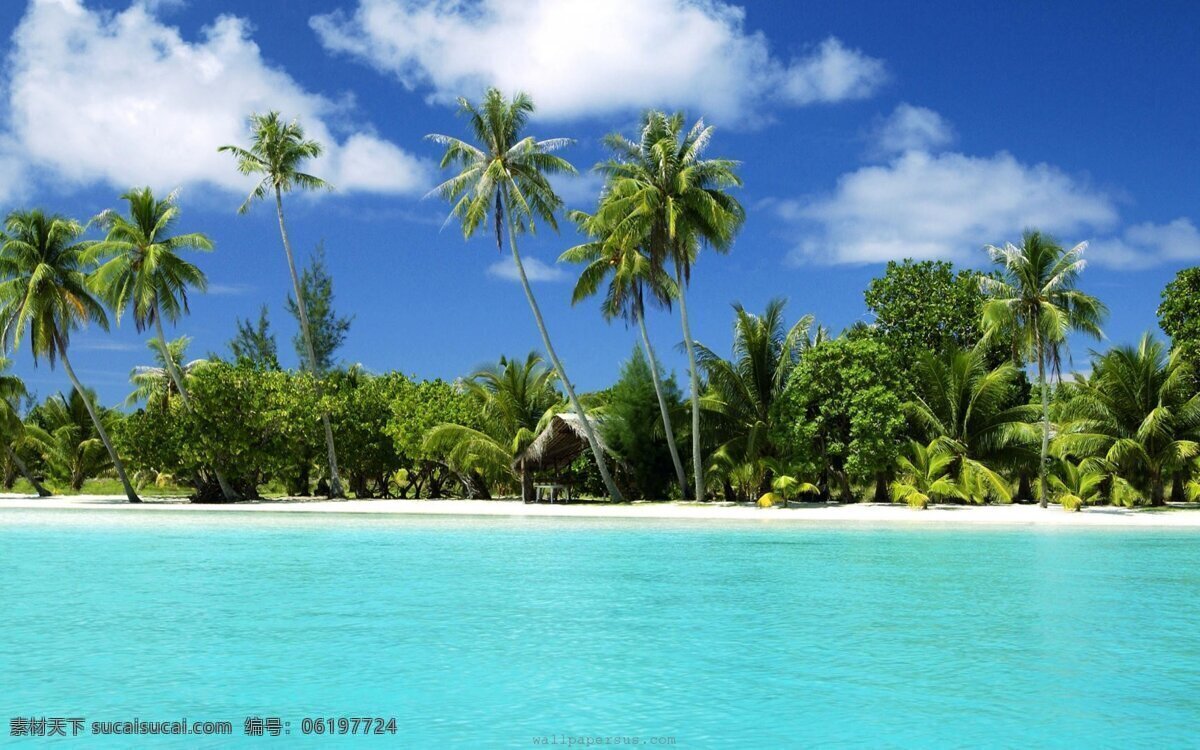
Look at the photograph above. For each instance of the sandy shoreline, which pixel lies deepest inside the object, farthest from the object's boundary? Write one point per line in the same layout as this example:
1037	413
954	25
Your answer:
816	514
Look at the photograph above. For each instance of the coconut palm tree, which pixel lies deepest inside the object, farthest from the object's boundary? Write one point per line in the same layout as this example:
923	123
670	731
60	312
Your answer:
70	443
502	177
962	407
742	390
924	474
278	150
1035	305
145	274
12	427
514	400
45	294
1076	485
631	275
1139	413
158	382
662	194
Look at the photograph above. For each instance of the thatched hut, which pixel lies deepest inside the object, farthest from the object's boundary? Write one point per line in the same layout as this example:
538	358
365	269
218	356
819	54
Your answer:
561	442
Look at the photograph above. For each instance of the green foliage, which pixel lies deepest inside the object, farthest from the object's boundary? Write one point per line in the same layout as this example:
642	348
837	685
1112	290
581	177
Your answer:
926	306
1179	315
328	329
633	428
923	474
154	382
63	432
841	414
254	345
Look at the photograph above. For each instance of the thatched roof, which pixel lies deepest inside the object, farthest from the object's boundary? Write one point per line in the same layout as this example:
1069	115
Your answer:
560	443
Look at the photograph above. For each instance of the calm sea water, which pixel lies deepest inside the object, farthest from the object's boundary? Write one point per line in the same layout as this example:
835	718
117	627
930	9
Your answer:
507	632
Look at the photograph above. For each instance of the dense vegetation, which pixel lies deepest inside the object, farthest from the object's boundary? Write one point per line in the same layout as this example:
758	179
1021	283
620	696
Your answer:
954	392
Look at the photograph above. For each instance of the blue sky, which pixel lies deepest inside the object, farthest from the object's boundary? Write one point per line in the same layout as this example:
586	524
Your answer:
867	131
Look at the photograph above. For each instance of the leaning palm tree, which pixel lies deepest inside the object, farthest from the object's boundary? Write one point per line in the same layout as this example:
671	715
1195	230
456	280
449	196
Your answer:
513	401
632	275
146	274
502	180
1035	305
661	194
277	152
12	428
1138	413
45	293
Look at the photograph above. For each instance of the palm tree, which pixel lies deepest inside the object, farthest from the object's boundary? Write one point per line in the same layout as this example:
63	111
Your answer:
962	407
514	400
1076	485
925	474
1034	304
277	152
46	293
145	273
741	391
70	443
12	427
503	177
661	194
158	382
631	273
1138	413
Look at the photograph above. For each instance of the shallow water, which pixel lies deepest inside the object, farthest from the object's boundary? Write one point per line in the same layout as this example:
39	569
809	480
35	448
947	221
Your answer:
501	632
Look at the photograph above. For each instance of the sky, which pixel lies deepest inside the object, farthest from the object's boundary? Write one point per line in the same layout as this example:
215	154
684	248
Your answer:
866	131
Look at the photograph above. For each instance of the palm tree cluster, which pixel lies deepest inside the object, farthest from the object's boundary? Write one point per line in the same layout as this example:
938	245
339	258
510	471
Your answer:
792	411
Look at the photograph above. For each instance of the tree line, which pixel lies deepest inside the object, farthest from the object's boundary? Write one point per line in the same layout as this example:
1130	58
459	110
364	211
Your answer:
929	401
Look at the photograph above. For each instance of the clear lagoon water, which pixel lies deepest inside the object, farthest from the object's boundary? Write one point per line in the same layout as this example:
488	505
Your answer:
510	632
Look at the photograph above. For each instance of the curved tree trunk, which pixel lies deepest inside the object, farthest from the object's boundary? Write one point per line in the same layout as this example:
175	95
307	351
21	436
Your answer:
614	494
335	480
1045	499
662	403
173	369
21	467
697	459
112	452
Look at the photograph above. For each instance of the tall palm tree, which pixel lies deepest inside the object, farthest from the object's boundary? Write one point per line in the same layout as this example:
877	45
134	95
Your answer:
663	195
514	400
45	292
12	427
146	274
631	274
503	177
277	152
962	407
742	390
1138	412
1034	304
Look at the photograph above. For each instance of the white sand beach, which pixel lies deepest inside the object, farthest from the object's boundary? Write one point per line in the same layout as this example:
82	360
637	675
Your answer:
810	513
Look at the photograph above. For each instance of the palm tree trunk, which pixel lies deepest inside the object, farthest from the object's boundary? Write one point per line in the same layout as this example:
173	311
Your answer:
21	467
1045	422
614	494
87	401
662	402
335	480
697	459
226	490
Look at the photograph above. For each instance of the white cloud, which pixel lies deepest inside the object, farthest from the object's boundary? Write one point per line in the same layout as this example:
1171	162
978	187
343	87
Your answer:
1149	244
582	57
911	128
535	270
122	98
948	206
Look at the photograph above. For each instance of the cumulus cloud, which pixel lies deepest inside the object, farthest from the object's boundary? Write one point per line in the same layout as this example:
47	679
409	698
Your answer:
1149	244
122	98
947	206
911	128
582	57
535	270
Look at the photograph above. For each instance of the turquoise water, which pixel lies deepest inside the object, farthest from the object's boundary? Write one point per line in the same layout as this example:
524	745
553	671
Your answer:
501	632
